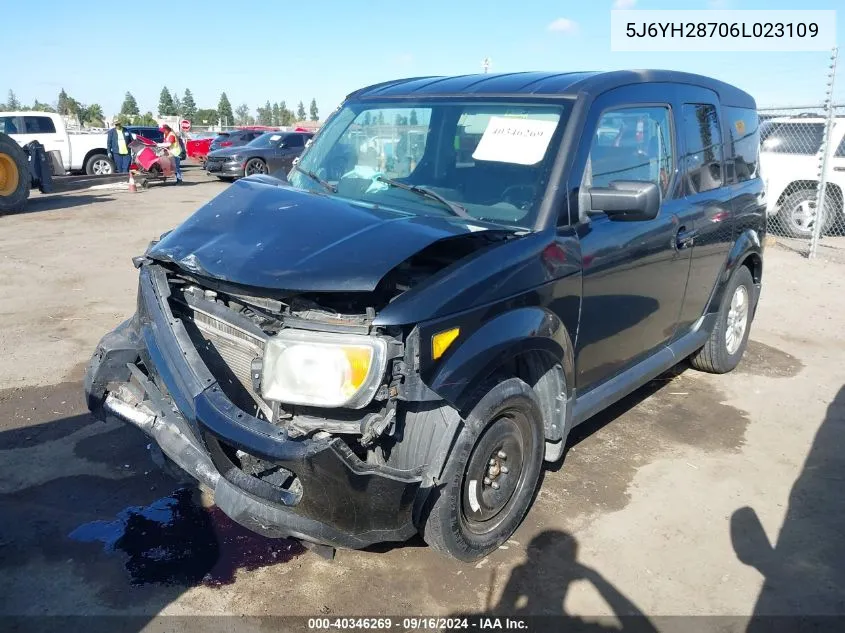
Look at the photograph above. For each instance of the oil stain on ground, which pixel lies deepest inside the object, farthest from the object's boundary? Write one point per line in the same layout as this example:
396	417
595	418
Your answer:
176	541
763	360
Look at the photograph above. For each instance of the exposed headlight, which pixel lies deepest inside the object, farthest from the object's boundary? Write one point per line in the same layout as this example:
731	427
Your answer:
323	369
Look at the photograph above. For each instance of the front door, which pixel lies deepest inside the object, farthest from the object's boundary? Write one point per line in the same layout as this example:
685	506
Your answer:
634	275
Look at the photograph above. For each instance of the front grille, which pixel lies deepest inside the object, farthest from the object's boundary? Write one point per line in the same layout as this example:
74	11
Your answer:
229	350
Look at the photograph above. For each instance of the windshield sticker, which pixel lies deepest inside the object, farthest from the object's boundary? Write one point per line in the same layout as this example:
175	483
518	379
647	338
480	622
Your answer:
518	141
275	137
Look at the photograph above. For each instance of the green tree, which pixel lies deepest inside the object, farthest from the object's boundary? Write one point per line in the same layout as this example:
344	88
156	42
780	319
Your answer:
165	103
413	119
277	116
130	106
207	116
12	102
380	118
62	103
177	104
224	110
368	119
42	107
285	116
242	115
146	119
265	114
189	106
94	115
300	112
315	113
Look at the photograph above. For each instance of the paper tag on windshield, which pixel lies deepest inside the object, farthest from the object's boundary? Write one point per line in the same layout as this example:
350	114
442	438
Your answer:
519	141
275	137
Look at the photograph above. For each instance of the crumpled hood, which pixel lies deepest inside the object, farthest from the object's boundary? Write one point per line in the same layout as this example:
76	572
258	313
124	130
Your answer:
261	233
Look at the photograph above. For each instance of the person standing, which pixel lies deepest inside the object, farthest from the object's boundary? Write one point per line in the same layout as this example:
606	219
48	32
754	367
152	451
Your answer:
174	148
117	145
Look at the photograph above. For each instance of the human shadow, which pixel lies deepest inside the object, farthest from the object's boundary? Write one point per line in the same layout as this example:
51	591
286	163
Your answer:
537	589
804	569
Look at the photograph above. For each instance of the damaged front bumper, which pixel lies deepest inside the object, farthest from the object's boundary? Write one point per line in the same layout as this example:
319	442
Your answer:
148	372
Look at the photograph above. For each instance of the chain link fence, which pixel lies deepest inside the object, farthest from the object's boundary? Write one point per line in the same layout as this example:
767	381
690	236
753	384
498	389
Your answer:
802	151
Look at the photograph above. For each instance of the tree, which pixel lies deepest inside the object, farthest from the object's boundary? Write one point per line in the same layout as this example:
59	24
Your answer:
242	115
315	113
265	114
165	103
224	110
12	103
92	114
368	119
207	116
189	106
277	115
62	104
42	107
300	112
177	104
285	116
380	118
413	119
130	106
146	119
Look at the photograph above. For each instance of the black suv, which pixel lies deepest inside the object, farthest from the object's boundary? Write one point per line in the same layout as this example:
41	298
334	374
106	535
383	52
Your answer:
459	271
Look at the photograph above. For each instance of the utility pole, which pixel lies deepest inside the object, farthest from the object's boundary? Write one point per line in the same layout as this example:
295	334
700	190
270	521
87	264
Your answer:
485	64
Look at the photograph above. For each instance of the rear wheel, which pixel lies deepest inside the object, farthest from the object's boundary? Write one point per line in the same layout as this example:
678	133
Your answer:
14	176
797	214
99	165
490	478
727	342
255	166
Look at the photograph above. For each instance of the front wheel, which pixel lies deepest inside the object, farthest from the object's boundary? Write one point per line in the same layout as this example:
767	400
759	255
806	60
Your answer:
490	478
255	166
99	165
726	345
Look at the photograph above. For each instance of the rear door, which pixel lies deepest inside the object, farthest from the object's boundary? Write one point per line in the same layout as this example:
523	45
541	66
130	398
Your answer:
706	217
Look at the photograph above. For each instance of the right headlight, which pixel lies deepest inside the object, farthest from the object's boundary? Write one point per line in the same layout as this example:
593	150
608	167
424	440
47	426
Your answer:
323	369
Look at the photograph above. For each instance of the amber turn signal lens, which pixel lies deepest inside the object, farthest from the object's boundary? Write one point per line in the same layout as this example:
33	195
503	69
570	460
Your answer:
440	342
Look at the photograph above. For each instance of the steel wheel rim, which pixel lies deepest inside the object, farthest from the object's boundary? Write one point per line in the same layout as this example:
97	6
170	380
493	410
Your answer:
255	167
483	505
9	176
101	167
737	320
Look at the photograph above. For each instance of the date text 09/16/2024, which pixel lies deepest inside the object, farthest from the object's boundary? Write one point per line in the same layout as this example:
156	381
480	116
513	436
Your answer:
418	623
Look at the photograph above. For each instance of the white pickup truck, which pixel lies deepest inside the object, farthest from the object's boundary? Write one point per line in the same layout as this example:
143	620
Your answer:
80	152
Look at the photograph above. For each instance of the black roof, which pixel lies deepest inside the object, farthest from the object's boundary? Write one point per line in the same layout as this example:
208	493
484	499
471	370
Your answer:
547	84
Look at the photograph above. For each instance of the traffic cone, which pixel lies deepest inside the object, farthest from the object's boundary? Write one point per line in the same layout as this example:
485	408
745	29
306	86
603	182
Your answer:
132	187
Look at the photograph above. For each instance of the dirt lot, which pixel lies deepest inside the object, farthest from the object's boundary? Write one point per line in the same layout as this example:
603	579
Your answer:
651	510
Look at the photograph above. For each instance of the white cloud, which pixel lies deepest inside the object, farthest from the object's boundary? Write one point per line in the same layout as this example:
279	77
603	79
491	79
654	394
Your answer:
563	25
624	4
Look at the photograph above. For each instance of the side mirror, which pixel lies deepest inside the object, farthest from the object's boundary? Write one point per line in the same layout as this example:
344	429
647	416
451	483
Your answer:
626	200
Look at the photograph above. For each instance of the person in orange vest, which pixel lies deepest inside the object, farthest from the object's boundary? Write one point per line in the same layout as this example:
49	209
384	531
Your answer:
174	148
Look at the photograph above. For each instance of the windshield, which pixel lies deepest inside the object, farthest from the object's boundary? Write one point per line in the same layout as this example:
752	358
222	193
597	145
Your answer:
491	160
270	139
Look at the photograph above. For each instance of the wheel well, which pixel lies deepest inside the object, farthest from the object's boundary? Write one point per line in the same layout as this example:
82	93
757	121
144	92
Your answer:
94	152
754	263
543	373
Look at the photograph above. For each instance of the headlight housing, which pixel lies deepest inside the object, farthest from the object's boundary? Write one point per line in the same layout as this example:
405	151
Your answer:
323	369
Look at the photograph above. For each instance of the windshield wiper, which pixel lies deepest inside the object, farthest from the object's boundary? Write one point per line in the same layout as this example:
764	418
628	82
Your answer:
454	207
325	183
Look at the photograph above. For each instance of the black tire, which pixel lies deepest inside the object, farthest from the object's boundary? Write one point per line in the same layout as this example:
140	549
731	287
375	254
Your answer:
14	176
464	517
793	223
97	165
716	357
255	166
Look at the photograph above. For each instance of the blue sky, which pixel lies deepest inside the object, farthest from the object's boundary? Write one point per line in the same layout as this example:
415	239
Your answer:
280	50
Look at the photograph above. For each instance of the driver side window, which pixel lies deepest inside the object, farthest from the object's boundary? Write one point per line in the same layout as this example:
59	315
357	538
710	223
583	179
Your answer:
631	144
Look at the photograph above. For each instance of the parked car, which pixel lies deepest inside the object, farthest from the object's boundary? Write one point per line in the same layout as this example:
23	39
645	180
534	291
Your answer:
80	152
366	352
147	131
235	138
790	162
268	153
199	144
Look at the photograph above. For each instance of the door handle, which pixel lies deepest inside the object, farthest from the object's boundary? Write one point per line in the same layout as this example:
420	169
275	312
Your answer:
685	238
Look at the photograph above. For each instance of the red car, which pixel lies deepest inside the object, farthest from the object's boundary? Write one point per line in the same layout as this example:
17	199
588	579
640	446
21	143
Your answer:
197	145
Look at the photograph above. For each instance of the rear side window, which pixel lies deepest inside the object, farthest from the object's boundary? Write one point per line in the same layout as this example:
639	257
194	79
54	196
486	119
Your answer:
39	125
793	138
743	150
294	140
703	158
9	125
632	144
840	151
